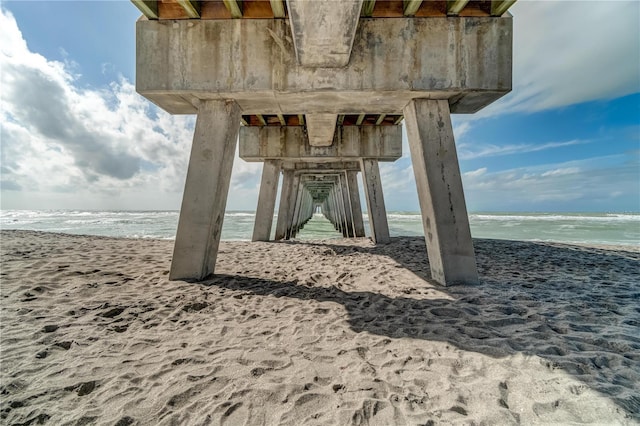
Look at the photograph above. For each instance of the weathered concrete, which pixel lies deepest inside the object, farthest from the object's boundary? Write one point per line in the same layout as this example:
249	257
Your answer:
346	200
444	212
285	203
376	210
266	201
321	128
356	207
205	192
323	31
464	60
350	143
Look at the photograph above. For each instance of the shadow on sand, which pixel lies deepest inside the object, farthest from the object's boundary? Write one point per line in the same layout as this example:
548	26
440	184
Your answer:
576	307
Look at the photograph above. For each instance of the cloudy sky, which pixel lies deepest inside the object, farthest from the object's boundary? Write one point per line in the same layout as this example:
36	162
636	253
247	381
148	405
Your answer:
75	135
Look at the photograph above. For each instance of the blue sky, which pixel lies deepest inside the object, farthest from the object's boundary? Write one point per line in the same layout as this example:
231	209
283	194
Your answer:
76	135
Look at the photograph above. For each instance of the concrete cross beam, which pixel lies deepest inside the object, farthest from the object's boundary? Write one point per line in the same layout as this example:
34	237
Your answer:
290	143
323	31
465	60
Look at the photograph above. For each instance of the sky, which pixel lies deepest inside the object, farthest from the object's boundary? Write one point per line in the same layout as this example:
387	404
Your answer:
75	134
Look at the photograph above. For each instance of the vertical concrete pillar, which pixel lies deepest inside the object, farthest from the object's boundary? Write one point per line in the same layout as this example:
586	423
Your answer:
283	208
444	212
356	207
266	201
347	205
375	201
293	221
205	191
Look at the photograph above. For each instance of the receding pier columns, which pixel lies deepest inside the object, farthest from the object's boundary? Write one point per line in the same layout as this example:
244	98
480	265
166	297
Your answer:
206	188
286	195
375	201
356	208
266	200
444	212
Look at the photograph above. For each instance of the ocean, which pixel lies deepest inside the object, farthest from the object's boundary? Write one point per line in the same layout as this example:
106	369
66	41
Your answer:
595	228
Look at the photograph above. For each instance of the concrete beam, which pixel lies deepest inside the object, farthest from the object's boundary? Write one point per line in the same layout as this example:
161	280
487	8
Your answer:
290	144
375	201
234	7
440	192
410	7
205	192
499	7
266	201
466	60
277	6
367	8
191	7
328	167
149	8
454	7
321	128
323	31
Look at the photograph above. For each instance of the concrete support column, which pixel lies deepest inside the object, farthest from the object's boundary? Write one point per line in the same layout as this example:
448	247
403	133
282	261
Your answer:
293	196
347	205
293	220
283	208
206	188
375	201
266	201
444	212
356	207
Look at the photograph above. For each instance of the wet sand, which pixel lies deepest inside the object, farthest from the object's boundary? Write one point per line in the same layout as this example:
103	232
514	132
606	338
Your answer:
325	332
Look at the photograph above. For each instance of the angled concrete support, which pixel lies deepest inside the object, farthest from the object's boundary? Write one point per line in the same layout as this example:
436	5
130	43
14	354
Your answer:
356	207
205	191
323	31
444	212
375	201
285	201
266	201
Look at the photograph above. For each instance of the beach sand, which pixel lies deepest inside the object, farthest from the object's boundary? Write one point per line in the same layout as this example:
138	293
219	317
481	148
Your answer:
338	332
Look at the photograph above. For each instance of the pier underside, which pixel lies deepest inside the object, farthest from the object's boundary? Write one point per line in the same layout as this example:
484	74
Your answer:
318	92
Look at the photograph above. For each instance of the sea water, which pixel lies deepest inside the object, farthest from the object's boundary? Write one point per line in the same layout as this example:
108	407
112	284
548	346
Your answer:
595	228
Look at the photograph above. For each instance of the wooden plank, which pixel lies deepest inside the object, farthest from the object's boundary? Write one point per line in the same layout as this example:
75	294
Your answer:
454	7
214	10
261	119
432	8
191	7
301	119
399	120
234	7
257	9
380	119
277	6
149	8
388	9
360	119
243	121
281	119
499	7
367	8
411	7
340	119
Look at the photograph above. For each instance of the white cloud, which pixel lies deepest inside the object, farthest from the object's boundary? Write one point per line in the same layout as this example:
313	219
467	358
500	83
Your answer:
571	186
568	52
74	146
469	151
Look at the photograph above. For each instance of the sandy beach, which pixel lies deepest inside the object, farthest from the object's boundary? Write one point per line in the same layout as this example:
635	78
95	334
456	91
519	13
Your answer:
339	332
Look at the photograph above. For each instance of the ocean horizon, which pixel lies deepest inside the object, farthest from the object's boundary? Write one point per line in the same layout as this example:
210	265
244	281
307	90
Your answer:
584	228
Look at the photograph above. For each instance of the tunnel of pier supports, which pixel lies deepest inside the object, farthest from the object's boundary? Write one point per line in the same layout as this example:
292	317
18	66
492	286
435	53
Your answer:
319	85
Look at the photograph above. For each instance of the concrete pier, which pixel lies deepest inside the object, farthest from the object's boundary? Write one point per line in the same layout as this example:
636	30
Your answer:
375	201
266	200
205	192
312	88
444	212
